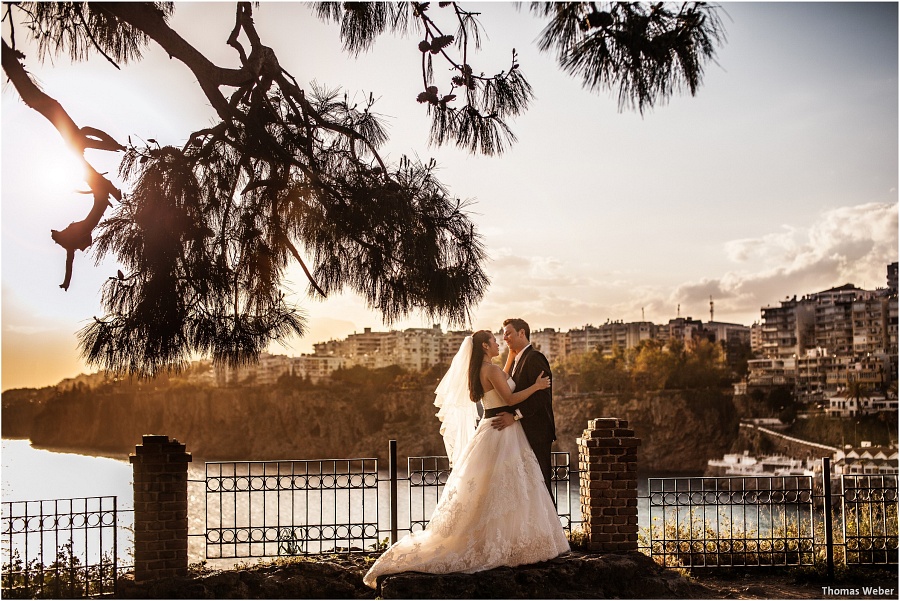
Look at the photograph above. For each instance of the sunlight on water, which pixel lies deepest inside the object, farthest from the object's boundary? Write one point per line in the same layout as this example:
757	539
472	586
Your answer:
31	474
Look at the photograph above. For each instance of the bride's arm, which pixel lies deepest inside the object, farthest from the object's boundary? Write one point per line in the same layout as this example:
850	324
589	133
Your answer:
510	359
498	379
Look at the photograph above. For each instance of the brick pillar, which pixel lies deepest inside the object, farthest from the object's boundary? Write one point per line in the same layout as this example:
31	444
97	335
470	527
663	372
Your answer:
160	508
607	455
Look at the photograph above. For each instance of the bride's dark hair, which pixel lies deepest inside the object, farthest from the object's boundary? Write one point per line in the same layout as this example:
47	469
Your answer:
476	390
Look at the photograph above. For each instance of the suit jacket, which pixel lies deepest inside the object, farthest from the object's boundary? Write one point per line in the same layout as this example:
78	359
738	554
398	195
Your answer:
537	410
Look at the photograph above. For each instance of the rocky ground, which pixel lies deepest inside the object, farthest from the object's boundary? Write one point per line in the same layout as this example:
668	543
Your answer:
572	576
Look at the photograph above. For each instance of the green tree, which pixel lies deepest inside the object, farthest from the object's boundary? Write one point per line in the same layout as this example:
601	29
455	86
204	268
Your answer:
652	365
857	391
292	175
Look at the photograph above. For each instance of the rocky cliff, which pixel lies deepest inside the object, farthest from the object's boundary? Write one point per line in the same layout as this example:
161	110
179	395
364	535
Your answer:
680	430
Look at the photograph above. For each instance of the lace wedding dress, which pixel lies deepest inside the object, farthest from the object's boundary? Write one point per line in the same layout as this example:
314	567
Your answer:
494	511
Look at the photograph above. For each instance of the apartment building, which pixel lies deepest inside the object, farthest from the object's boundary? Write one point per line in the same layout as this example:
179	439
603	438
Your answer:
892	326
413	349
764	373
869	317
788	329
610	335
756	339
583	340
834	321
315	367
450	345
684	329
553	343
719	331
843	406
265	373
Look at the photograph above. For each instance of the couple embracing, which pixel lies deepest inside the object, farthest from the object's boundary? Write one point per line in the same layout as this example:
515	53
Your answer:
496	508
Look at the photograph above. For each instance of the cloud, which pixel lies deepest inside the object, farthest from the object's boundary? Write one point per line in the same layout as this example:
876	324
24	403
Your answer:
845	245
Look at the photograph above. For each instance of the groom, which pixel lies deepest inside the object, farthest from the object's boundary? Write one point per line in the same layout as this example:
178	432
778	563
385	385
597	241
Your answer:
536	412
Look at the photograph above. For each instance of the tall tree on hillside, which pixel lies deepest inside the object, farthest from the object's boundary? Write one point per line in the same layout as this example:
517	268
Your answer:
289	174
857	391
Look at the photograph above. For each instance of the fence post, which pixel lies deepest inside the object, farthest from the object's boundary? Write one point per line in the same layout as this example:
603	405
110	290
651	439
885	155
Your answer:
829	542
392	466
160	508
607	458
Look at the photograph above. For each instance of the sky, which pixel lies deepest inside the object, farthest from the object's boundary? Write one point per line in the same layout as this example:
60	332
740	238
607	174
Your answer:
778	178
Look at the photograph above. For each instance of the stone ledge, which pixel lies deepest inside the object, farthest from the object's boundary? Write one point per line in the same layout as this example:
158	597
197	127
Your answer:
571	576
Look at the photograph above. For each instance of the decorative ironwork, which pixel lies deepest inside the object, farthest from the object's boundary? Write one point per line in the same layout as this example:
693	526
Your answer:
60	548
427	477
869	509
731	521
561	481
264	509
272	508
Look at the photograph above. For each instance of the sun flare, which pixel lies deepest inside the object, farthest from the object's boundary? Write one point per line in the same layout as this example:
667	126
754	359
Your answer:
61	173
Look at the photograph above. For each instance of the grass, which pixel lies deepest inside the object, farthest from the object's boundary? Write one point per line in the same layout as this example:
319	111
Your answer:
867	535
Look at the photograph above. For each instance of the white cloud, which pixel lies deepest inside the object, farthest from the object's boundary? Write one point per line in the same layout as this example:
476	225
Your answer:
845	245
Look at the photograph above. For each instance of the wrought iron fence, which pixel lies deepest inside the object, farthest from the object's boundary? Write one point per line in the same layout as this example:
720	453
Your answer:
74	547
774	520
63	548
274	508
731	521
869	510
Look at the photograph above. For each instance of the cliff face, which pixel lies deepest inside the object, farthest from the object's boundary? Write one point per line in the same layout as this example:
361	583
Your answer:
242	423
679	430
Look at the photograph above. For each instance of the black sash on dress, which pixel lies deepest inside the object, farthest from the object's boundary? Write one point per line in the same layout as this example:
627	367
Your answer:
495	411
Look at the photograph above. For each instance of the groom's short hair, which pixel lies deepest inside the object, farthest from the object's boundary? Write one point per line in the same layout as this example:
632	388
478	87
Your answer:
518	324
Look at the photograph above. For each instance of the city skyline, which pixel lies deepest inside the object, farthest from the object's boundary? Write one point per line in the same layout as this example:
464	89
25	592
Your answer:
778	178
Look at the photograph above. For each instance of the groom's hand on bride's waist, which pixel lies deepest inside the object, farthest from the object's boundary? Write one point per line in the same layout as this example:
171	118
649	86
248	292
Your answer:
503	420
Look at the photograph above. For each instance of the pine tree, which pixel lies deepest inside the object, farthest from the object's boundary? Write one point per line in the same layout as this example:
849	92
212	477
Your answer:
288	175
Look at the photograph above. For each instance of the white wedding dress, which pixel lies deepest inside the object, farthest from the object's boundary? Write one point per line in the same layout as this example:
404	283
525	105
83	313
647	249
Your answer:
494	511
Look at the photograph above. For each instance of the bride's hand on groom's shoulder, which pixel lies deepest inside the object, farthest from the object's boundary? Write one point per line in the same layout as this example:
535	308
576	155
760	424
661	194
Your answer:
542	382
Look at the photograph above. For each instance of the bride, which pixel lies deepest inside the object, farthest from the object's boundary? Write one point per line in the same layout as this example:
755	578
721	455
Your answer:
494	510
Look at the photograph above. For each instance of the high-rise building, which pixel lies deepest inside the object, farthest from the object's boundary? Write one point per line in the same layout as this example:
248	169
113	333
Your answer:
892	277
788	329
684	329
834	319
756	338
551	342
870	325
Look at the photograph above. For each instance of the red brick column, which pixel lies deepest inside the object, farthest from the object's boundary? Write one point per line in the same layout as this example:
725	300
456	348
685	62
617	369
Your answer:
160	508
607	455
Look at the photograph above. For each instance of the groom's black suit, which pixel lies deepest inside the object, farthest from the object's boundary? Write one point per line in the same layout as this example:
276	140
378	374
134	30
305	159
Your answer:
537	410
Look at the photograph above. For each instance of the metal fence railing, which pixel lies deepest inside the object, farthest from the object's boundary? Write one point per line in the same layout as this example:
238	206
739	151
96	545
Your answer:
869	518
63	547
77	547
731	521
274	508
772	520
278	508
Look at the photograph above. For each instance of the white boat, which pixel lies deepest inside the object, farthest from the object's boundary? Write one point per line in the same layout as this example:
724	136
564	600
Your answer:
745	464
